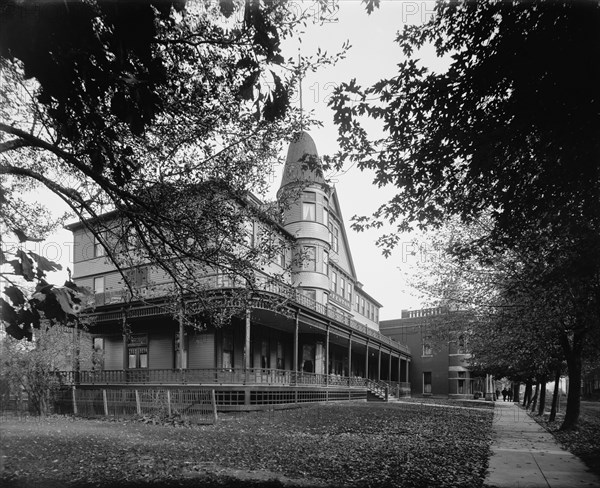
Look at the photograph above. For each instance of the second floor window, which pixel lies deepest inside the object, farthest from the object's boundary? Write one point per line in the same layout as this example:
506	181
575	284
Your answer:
333	285
325	262
98	248
427	346
343	287
309	262
309	211
99	284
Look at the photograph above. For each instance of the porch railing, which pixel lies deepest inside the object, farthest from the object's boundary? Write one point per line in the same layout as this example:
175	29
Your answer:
222	376
263	283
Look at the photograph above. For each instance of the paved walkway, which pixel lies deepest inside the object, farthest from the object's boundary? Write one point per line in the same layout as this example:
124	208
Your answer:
525	455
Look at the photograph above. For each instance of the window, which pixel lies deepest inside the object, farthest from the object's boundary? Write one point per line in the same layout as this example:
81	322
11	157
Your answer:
357	303
227	349
310	196
98	248
350	293
265	359
376	314
137	351
282	257
343	287
137	276
325	217
99	284
362	306
280	357
334	281
326	262
309	211
462	344
427	382
309	258
334	244
249	233
98	353
427	346
312	294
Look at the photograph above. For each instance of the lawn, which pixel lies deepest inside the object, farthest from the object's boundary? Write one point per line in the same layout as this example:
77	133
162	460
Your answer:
361	444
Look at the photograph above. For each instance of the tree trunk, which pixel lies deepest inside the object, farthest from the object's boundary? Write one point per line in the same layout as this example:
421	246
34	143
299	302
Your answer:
542	405
574	394
527	394
533	403
516	386
555	394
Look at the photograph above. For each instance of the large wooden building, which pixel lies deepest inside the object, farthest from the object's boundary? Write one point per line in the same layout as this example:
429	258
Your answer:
324	343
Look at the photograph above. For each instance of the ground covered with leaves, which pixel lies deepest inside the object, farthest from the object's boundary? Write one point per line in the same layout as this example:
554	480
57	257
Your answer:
362	444
584	441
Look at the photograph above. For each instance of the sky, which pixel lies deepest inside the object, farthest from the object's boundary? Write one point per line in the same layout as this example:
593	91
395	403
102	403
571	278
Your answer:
373	55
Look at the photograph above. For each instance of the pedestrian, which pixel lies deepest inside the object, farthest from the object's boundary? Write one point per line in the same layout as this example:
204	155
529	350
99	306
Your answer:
510	393
504	393
497	394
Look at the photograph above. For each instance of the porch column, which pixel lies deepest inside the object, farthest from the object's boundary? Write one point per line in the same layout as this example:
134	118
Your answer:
350	355
247	345
367	360
125	352
327	357
399	368
295	369
379	364
181	342
407	370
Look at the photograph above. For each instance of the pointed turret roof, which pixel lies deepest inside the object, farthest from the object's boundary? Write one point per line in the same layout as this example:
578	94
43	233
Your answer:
302	164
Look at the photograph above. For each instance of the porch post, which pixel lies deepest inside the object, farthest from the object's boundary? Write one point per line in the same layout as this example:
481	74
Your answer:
296	347
390	366
399	368
379	364
407	370
181	342
350	357
327	357
125	354
247	347
367	360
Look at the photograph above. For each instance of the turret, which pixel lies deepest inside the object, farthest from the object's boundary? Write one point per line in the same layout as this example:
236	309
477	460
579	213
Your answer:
305	198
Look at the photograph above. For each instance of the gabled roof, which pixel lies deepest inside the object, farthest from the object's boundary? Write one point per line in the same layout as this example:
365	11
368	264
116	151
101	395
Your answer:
336	205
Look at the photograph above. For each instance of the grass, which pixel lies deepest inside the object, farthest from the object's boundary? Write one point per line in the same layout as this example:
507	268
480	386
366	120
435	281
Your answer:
584	441
361	444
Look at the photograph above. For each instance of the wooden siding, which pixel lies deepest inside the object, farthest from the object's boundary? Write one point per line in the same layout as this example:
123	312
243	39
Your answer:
113	352
160	351
201	350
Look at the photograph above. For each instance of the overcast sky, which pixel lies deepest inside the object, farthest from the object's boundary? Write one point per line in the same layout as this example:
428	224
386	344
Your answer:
374	55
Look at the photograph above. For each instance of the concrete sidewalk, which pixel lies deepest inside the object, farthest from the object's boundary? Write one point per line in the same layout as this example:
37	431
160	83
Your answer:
525	455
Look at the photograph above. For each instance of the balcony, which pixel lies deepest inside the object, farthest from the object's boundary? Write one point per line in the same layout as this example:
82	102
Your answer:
263	284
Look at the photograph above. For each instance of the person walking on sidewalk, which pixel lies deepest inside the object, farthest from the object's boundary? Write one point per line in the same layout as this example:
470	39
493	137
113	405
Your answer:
504	393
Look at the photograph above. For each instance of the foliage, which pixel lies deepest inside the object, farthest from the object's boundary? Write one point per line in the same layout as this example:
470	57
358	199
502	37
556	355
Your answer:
359	444
505	132
31	368
167	114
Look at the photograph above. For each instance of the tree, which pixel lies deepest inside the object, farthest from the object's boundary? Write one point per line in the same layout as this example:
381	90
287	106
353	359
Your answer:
510	129
33	367
166	114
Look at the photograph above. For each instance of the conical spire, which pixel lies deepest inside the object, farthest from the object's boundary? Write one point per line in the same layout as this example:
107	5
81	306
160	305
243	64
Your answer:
302	164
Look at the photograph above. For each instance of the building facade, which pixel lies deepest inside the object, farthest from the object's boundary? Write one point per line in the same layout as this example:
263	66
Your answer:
438	367
323	343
